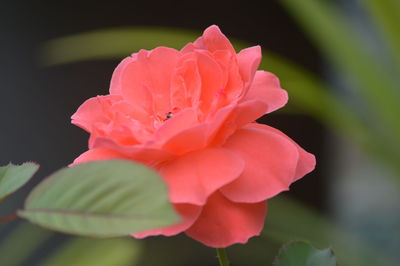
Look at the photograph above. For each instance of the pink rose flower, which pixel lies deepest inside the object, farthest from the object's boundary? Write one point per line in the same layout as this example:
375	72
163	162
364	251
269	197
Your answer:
190	115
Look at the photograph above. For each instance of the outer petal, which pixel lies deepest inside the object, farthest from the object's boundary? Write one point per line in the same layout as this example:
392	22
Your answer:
244	113
145	154
188	140
306	162
193	177
271	162
266	87
200	136
98	155
94	110
223	223
189	214
249	111
213	40
115	84
248	60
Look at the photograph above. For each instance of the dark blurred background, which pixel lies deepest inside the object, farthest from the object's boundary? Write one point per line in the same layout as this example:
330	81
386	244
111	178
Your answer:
37	102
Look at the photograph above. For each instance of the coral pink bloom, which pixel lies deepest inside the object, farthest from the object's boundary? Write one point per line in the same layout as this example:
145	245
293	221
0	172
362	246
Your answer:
190	115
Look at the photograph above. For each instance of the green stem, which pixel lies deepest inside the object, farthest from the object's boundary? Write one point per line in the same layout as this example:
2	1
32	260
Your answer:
222	257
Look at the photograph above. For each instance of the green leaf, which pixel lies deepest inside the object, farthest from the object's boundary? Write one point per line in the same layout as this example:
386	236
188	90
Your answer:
303	254
101	199
12	177
99	252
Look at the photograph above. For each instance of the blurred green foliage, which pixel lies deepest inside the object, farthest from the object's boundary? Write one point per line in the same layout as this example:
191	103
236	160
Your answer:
300	253
105	252
373	127
375	82
26	240
290	220
22	242
385	14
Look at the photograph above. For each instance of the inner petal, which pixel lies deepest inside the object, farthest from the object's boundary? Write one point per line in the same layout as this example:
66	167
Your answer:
186	83
146	81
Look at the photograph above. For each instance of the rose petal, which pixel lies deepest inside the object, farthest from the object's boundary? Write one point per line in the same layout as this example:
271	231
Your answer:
244	113
188	213
132	111
98	155
94	110
213	40
188	140
223	223
186	83
115	84
145	79
266	87
199	136
249	59
193	177
306	162
249	111
141	153
177	123
211	80
232	80
270	161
